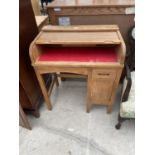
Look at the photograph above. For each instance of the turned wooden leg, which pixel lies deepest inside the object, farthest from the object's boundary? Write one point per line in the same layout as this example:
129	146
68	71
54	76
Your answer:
109	109
44	90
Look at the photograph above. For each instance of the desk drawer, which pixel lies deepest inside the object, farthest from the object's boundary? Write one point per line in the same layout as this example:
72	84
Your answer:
102	85
103	74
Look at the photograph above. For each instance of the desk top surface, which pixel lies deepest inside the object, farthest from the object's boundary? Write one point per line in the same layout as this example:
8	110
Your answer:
82	35
71	3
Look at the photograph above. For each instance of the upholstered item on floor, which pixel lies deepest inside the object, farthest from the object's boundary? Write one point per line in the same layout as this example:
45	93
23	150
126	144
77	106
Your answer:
127	105
127	109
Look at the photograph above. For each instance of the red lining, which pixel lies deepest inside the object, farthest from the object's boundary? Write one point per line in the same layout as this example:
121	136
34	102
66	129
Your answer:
79	54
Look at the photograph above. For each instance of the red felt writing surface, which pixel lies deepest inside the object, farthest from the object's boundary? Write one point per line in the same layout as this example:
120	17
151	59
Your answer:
79	54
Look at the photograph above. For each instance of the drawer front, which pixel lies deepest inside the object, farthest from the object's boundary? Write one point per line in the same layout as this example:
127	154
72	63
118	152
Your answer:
103	74
102	86
74	70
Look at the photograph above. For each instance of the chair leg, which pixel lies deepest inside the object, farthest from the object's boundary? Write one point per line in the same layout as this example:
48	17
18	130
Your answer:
44	90
120	121
42	5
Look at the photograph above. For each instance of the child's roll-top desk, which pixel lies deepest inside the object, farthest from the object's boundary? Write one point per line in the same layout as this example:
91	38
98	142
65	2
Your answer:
96	51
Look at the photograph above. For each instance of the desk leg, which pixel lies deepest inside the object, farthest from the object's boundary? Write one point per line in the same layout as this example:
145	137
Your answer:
109	108
89	105
44	90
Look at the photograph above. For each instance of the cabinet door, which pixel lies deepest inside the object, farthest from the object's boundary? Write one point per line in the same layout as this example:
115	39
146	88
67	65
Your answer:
102	85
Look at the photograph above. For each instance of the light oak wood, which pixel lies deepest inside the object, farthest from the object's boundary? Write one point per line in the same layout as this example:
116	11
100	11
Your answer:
115	86
44	90
102	77
82	3
36	7
41	21
102	85
76	38
93	34
79	28
65	75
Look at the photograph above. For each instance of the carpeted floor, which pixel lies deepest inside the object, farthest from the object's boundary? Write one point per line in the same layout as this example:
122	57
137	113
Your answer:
69	130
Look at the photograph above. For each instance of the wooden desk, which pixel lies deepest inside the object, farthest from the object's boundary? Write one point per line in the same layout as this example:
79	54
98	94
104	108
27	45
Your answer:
93	12
96	52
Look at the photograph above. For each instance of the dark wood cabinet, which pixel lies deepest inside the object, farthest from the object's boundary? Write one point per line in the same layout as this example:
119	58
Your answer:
30	95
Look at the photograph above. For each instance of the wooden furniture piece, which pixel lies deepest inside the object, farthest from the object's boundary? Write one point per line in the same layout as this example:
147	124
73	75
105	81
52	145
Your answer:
41	21
36	7
23	121
96	52
127	107
93	12
30	95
